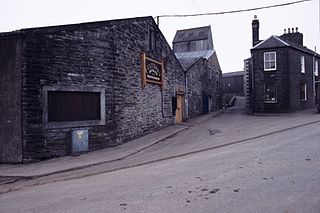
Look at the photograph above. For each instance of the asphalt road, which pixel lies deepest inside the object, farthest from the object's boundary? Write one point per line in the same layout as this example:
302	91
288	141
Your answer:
267	171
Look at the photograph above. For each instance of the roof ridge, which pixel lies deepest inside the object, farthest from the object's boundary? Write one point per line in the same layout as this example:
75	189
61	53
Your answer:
209	26
281	40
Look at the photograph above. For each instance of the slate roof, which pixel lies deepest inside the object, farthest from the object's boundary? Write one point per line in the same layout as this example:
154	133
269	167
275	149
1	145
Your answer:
193	34
77	26
187	59
276	41
233	74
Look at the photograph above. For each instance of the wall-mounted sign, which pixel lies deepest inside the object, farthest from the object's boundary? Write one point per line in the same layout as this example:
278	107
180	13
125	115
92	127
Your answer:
152	71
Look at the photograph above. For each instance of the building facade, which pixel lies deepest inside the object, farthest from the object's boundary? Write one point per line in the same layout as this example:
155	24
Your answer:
283	76
195	51
116	79
233	83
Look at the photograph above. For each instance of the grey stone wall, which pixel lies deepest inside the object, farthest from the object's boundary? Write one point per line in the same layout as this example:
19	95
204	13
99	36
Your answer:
101	54
233	85
10	102
296	78
287	77
203	79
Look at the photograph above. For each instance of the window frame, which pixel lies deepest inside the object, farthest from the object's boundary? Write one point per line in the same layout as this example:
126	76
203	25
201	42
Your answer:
316	68
67	124
275	61
302	64
305	92
275	88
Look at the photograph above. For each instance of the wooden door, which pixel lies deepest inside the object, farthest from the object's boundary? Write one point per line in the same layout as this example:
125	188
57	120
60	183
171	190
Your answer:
179	110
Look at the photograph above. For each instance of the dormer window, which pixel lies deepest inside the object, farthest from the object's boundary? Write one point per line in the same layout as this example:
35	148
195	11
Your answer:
302	64
270	61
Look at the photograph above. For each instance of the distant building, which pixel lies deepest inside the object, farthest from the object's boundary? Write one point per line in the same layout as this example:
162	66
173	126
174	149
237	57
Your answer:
232	83
283	74
195	51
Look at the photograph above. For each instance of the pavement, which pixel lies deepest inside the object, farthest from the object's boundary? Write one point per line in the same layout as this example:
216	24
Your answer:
108	155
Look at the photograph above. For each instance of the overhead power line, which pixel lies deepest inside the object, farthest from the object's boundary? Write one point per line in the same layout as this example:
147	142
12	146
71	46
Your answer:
232	11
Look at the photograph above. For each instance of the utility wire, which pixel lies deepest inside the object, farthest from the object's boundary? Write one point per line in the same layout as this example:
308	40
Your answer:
232	11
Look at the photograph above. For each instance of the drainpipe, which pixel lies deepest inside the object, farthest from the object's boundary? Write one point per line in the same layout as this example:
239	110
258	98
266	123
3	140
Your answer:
186	104
253	97
313	77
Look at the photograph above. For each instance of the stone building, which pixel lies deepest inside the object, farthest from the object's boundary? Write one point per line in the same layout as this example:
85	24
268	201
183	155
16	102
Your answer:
116	79
195	51
283	74
233	83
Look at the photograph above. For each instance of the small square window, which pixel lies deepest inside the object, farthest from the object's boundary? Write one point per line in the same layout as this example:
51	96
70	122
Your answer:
270	61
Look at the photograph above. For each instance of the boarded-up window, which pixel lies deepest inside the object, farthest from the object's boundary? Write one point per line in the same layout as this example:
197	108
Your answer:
64	106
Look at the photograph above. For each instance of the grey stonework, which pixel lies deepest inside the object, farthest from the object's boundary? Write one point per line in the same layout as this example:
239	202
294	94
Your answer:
195	51
101	55
203	82
287	76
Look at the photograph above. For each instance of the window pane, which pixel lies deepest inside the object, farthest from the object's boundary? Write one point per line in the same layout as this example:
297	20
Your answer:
272	64
270	61
272	56
303	92
302	64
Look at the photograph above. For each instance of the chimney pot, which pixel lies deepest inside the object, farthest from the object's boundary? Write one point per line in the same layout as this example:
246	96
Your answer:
294	36
285	31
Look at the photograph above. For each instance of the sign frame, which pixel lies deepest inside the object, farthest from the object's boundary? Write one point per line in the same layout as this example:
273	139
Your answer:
144	77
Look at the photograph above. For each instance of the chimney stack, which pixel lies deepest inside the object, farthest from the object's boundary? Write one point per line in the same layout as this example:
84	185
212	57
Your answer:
255	31
293	35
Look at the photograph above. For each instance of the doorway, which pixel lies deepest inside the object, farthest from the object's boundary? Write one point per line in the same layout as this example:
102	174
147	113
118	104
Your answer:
205	104
179	109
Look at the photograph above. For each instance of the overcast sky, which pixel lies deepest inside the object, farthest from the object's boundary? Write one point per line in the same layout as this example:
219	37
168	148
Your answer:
231	32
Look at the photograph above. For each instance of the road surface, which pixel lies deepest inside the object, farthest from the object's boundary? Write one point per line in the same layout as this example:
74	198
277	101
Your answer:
263	171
